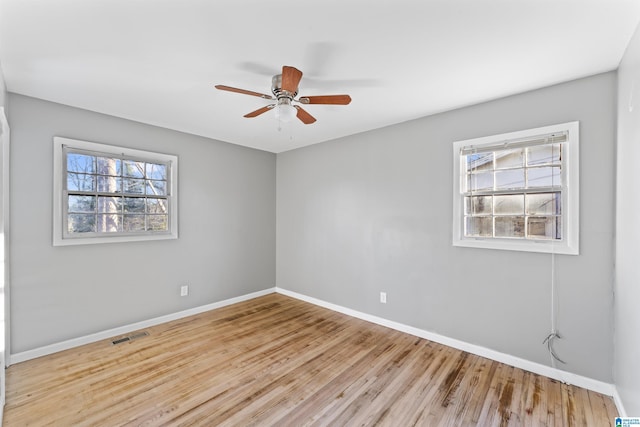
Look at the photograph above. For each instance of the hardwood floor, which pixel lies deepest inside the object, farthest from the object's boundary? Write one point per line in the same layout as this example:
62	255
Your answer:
278	361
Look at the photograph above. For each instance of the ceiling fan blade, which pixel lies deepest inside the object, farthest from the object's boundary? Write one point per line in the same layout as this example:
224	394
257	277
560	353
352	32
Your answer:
290	78
259	111
326	99
244	91
304	117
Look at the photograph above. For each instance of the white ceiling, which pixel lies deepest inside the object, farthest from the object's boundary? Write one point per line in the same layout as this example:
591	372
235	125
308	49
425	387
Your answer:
157	61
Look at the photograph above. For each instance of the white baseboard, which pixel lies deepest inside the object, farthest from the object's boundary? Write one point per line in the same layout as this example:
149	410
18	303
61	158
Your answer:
527	365
87	339
619	405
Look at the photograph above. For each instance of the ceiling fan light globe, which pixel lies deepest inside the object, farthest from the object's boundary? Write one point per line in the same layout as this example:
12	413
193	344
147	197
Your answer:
285	112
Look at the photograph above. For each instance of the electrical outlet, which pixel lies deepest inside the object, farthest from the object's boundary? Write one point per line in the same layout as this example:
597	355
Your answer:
383	297
184	290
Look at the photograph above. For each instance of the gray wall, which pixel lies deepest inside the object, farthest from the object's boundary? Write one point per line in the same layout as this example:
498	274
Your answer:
226	224
627	291
373	212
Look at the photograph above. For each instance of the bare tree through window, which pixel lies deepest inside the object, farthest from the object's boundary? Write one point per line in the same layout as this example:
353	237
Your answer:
106	194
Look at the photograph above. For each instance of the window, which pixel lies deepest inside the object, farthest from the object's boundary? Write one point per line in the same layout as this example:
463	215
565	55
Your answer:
105	194
518	191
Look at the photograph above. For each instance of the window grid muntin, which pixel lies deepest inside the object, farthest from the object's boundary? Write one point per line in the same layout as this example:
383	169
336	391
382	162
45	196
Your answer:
557	189
526	216
117	194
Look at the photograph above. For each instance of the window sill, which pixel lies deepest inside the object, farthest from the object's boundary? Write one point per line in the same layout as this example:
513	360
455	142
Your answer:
90	240
543	246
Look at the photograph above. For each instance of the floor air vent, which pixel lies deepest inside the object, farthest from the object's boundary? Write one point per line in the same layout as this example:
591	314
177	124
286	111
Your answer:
130	337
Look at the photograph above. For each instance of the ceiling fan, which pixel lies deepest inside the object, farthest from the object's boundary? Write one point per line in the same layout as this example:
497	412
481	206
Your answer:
285	88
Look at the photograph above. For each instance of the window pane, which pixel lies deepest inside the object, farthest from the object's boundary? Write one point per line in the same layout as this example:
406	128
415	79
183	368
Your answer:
157	206
109	223
156	188
479	162
133	223
544	204
510	226
109	204
480	181
133	204
80	163
543	154
81	223
109	166
544	227
479	226
157	223
478	205
133	169
509	158
512	204
156	171
510	179
109	184
544	176
80	182
81	204
133	186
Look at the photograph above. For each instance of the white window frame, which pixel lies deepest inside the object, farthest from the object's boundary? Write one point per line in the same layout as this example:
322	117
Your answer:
60	238
569	244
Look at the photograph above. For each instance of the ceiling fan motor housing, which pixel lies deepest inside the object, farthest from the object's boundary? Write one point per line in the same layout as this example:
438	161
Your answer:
276	88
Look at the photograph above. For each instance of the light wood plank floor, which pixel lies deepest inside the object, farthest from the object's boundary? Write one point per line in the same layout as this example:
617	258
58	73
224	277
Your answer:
278	361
